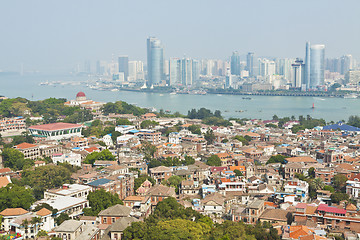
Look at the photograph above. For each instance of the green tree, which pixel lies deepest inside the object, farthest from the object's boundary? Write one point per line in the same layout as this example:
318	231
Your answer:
173	181
148	150
45	177
142	178
311	172
14	196
122	121
100	200
209	136
148	124
277	159
104	155
14	159
338	196
339	182
238	173
188	160
195	129
242	140
213	160
317	184
329	188
61	218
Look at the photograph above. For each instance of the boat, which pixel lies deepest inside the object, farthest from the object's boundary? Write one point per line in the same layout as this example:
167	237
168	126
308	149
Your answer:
173	93
247	98
351	96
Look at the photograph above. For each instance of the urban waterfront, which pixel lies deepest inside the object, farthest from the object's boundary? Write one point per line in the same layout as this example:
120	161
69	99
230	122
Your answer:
263	107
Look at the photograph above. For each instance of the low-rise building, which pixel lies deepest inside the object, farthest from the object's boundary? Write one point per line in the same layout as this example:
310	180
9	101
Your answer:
29	150
70	158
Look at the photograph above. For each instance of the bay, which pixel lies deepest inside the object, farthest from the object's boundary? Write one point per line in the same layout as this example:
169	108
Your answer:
261	107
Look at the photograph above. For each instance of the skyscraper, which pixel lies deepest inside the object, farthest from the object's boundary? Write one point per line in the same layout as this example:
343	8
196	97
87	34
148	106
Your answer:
250	63
155	61
314	65
317	65
124	66
195	70
298	73
174	71
307	65
235	63
186	71
228	78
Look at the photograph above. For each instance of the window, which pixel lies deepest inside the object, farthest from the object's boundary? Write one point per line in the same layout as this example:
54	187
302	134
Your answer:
112	220
104	220
115	236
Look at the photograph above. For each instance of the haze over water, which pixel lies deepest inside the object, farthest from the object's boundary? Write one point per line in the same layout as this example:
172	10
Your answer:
263	107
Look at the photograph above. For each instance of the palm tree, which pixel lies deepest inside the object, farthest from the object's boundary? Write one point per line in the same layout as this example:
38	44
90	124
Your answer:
317	184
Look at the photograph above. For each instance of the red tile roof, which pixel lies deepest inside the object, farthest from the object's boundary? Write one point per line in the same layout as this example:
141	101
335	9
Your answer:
326	208
25	145
55	126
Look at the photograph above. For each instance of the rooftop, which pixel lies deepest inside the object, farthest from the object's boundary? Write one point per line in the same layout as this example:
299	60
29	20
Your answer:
55	126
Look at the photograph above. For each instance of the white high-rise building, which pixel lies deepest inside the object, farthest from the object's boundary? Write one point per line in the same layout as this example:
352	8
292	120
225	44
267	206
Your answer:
266	67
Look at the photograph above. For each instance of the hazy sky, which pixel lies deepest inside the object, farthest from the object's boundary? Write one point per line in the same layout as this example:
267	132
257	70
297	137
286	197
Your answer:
55	35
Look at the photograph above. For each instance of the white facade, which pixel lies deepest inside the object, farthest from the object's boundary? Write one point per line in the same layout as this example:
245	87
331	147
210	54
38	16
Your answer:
71	158
107	140
123	129
174	138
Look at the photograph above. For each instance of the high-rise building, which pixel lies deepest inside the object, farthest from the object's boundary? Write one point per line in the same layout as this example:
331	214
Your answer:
228	78
124	66
314	65
195	71
174	71
307	65
317	65
266	67
284	68
250	64
298	73
346	64
155	61
235	64
186	71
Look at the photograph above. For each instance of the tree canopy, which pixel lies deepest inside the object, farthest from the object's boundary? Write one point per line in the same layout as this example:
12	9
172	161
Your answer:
45	177
14	159
100	200
213	160
14	196
104	155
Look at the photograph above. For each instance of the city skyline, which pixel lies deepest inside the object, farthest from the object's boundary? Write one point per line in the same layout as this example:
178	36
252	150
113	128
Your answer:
47	40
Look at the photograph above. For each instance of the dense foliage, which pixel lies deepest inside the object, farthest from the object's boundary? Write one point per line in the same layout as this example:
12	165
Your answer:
168	162
45	177
14	159
277	159
142	178
208	117
100	200
104	155
171	220
121	107
243	139
213	160
148	124
14	196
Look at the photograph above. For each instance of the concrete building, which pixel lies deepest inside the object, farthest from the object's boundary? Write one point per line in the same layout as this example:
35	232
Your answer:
56	131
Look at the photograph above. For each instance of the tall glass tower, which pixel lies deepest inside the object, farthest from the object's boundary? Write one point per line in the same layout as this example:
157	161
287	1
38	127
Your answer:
307	65
250	63
155	61
124	66
317	65
235	64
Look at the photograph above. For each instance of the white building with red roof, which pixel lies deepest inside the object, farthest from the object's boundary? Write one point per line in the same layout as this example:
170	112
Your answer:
84	103
29	150
56	131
